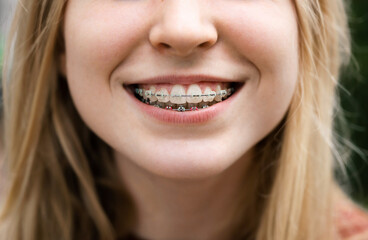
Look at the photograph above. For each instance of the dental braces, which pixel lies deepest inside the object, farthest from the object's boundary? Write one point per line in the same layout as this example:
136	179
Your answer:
181	108
149	93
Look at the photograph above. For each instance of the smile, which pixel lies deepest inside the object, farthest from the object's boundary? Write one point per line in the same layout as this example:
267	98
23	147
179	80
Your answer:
183	98
182	101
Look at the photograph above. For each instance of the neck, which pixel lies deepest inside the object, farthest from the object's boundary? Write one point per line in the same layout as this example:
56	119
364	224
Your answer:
185	209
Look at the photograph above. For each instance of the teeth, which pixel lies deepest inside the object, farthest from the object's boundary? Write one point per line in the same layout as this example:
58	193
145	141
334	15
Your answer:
139	92
153	98
146	94
202	105
195	92
152	92
163	95
160	104
211	95
218	97
190	105
191	100
223	93
176	92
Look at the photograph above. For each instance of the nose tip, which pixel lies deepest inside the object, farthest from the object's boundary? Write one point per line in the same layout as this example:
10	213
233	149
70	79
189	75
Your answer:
182	41
182	29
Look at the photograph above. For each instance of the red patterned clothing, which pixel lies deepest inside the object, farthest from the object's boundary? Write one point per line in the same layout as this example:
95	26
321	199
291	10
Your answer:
352	221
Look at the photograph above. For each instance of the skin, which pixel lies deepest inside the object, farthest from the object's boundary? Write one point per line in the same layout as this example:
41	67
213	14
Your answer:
184	178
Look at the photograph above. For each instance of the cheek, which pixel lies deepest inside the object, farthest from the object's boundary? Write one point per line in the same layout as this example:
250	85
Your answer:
98	35
264	34
97	38
267	37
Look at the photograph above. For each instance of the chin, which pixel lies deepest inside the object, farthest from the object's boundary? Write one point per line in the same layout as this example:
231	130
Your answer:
193	162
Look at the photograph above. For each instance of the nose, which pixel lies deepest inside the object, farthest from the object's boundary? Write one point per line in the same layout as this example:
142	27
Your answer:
182	28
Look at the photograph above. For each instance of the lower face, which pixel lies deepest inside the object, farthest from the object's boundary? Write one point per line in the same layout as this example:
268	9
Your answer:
148	77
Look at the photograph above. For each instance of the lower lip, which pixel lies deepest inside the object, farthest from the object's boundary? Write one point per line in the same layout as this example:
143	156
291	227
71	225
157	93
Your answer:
192	117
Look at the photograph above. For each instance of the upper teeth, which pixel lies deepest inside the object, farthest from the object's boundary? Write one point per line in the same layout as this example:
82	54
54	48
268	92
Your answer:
179	96
210	95
195	93
162	95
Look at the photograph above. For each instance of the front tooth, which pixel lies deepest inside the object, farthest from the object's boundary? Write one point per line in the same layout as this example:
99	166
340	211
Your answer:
196	93
208	92
176	92
218	97
163	95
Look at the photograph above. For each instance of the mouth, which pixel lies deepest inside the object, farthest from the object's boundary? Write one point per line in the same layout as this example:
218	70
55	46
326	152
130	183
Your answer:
183	100
183	97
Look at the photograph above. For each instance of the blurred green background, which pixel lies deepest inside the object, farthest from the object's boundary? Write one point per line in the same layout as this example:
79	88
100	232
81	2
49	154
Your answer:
354	97
354	101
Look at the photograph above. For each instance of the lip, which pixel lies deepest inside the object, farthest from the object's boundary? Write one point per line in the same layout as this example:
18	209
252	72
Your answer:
182	79
172	117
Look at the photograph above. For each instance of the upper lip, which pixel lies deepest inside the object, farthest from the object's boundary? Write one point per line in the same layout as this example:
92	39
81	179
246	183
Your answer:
183	79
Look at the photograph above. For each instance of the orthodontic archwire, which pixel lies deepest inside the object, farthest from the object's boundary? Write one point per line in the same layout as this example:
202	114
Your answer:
148	93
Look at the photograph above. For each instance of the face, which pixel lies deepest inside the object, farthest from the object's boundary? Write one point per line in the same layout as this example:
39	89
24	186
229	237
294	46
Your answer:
113	48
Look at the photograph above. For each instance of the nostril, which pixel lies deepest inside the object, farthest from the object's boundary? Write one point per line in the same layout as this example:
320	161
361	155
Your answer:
204	45
164	45
182	51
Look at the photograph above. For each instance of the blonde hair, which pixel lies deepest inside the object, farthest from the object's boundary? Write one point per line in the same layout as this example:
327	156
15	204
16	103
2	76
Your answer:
59	190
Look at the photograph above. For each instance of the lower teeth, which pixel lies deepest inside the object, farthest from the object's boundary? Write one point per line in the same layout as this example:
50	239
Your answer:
181	107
